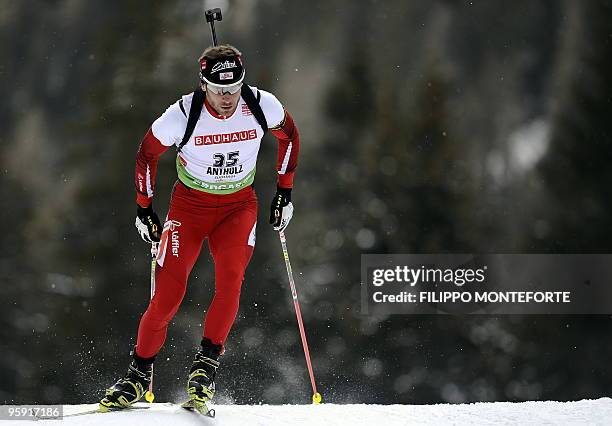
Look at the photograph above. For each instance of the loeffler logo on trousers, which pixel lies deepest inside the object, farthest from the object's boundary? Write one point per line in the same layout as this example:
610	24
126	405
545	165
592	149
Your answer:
175	243
170	229
172	226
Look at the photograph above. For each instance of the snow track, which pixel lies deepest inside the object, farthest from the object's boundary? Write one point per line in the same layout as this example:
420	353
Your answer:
586	412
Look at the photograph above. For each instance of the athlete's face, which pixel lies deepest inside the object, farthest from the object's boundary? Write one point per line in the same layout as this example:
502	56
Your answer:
224	104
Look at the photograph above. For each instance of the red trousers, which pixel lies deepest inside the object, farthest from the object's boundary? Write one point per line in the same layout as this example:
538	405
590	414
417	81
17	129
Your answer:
228	221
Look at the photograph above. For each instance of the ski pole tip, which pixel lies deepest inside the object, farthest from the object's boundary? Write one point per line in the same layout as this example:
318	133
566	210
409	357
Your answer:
316	398
149	397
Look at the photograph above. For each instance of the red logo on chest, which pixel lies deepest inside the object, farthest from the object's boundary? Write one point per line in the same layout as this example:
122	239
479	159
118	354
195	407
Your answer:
245	135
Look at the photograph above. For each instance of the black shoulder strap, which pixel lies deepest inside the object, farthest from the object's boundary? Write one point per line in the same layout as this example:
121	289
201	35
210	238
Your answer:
253	104
197	102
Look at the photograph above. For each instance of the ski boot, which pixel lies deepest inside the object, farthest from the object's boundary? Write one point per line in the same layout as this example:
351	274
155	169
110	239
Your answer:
130	388
201	382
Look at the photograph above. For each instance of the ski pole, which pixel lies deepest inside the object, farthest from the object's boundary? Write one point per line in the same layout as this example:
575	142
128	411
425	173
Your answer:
316	396
149	396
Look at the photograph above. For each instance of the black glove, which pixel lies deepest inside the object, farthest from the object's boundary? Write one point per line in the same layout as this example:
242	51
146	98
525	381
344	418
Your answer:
147	224
281	210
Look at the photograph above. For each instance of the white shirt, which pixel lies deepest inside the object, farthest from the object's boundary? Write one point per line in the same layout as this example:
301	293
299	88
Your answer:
221	155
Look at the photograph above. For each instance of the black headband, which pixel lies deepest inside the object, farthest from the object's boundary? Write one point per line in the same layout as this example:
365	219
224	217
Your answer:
224	71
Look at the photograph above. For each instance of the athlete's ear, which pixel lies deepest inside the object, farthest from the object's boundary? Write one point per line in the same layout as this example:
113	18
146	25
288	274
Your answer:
203	86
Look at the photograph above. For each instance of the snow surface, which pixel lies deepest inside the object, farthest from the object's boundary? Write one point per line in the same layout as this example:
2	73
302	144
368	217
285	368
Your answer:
585	412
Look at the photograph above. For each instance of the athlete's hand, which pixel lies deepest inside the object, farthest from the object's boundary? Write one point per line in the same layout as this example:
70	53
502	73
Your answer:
281	210
147	224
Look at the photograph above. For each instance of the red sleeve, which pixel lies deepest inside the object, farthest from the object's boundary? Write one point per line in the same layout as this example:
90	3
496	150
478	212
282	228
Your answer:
146	168
288	149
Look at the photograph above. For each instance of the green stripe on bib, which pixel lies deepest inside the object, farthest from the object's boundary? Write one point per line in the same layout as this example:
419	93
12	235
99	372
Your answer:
220	188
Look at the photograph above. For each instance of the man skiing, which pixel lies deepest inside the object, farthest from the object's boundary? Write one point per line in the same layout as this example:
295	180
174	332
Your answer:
212	199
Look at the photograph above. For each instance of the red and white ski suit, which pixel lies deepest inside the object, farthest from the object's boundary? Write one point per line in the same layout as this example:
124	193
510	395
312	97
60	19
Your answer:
213	199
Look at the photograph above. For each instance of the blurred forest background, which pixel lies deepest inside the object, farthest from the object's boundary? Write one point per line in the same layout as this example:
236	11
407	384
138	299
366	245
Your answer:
426	126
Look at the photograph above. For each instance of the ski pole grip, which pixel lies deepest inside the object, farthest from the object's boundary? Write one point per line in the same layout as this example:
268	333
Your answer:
213	15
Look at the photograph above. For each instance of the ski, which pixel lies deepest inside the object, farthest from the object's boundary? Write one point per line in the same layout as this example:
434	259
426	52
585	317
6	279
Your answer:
192	405
199	407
